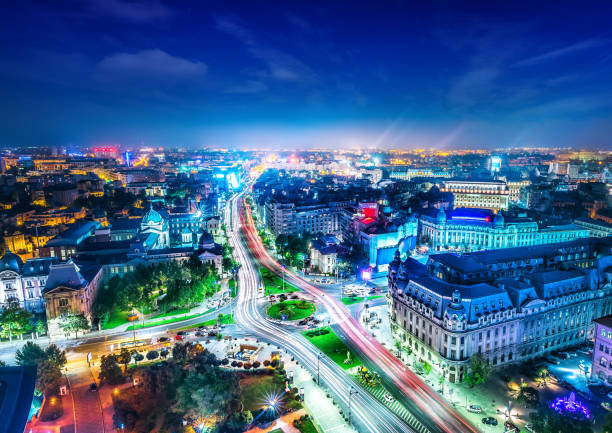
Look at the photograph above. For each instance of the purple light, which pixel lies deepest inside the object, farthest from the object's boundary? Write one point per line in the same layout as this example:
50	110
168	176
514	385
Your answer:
571	406
485	219
366	274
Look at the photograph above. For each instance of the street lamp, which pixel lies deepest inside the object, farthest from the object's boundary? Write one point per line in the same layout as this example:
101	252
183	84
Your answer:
283	268
351	392
319	356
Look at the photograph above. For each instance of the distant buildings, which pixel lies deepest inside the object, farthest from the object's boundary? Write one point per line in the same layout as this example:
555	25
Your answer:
24	282
509	305
473	230
492	195
291	218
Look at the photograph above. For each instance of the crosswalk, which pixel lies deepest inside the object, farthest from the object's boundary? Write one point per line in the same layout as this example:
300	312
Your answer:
397	408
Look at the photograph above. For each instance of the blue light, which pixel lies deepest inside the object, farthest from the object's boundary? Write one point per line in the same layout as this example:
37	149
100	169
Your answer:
571	406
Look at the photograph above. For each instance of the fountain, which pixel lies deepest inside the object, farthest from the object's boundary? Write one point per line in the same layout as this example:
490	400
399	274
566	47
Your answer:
569	405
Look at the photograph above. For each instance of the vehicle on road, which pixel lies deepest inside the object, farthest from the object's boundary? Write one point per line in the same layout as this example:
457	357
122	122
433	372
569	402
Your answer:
93	387
388	398
162	339
178	337
553	360
510	427
474	408
593	381
489	420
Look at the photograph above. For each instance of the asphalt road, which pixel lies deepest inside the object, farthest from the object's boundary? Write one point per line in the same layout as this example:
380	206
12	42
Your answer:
368	414
424	403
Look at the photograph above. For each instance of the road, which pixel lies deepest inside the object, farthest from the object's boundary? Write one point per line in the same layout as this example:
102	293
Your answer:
422	401
368	414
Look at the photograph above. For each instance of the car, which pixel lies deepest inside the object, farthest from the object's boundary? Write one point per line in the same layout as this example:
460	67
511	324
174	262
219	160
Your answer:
593	381
199	334
489	420
388	398
178	337
182	333
162	339
607	406
93	386
474	408
509	426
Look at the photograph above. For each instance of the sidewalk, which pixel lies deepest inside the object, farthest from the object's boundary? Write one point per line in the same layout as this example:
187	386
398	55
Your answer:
87	407
64	424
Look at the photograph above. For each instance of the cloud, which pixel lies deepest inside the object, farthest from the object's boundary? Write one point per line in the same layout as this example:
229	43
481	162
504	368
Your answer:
146	64
562	52
470	87
248	87
135	11
280	66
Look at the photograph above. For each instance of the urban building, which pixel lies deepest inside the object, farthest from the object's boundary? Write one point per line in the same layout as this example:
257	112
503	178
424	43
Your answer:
324	255
289	218
23	282
492	194
596	228
509	305
65	245
602	350
69	290
474	229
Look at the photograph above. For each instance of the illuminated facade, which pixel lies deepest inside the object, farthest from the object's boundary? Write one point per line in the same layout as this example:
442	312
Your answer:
509	305
492	195
473	231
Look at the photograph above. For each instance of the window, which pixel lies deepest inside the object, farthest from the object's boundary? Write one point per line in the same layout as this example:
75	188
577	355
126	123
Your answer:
63	302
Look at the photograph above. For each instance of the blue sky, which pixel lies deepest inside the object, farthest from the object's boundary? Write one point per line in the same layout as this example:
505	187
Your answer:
320	74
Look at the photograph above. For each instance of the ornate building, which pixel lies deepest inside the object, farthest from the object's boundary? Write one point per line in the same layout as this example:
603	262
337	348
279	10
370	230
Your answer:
474	230
154	233
508	305
23	282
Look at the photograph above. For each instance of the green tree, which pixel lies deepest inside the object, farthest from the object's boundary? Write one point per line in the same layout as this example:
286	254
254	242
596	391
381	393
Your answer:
40	327
48	377
56	356
547	420
124	358
30	354
14	320
74	323
239	420
207	391
479	372
110	372
607	426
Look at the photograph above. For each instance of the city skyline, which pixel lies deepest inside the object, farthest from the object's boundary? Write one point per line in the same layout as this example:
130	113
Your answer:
392	76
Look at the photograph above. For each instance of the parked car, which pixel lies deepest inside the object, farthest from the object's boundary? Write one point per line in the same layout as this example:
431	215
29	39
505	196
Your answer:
489	421
593	381
178	337
388	398
93	387
162	339
509	426
474	408
181	333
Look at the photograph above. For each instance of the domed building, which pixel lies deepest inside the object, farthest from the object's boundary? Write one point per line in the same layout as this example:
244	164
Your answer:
23	282
154	231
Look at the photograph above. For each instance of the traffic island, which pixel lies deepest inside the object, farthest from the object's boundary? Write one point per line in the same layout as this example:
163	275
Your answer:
291	310
328	342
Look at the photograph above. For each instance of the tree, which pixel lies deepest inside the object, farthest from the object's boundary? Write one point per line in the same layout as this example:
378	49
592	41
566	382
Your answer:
124	358
110	372
56	356
74	323
207	391
179	352
40	327
14	320
48	377
607	426
152	354
239	420
30	354
480	370
547	420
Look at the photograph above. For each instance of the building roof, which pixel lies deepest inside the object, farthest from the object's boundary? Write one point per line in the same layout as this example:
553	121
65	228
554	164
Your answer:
74	235
40	266
152	217
65	274
10	262
605	321
122	224
16	399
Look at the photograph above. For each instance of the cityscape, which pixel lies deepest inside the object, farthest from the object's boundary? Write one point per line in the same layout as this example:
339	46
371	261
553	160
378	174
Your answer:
328	217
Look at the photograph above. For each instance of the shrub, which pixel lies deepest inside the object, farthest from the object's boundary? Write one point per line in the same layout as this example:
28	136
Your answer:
266	362
256	364
152	354
234	364
224	361
138	356
239	364
247	365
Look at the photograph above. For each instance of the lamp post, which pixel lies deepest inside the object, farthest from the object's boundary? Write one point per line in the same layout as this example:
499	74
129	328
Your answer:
351	392
319	356
283	268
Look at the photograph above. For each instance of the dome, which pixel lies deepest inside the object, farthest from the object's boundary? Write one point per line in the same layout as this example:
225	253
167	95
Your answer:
498	220
206	241
441	216
10	261
152	217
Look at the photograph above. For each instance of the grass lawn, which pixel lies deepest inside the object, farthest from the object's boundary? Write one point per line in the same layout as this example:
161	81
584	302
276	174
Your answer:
293	310
161	322
276	430
356	300
306	426
332	346
227	319
115	319
255	388
232	288
273	284
171	313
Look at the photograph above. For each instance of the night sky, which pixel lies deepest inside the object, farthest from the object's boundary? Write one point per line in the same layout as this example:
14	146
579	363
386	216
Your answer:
321	74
